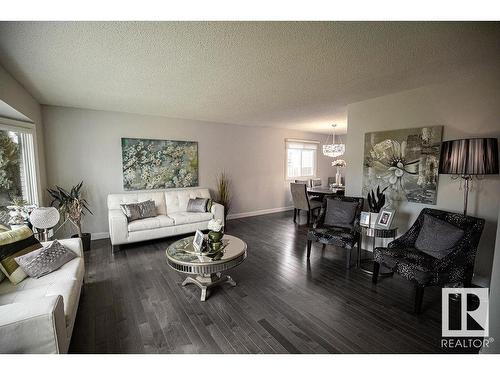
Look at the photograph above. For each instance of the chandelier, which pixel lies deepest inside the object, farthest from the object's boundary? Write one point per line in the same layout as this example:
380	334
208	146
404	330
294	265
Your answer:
335	149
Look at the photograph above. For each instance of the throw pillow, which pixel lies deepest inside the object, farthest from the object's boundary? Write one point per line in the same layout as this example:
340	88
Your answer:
15	243
3	228
46	260
340	213
437	237
137	211
197	205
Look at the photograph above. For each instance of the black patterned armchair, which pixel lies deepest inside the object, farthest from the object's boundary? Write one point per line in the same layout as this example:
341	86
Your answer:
337	224
432	267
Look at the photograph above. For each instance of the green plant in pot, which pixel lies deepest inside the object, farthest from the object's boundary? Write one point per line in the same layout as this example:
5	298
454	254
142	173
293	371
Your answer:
72	207
215	235
224	194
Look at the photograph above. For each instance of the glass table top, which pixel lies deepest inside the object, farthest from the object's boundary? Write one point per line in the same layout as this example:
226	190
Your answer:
183	252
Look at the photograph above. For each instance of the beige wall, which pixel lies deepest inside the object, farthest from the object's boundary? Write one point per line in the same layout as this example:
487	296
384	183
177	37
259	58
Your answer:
468	106
12	93
85	145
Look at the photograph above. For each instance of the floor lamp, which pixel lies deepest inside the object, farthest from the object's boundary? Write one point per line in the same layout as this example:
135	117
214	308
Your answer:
466	158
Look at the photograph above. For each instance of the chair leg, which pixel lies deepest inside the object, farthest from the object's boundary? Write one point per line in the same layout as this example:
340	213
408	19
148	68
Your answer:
115	248
309	243
419	297
294	215
376	269
348	265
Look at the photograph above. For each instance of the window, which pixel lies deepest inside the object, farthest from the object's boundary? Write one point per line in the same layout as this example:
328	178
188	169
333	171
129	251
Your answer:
301	158
18	178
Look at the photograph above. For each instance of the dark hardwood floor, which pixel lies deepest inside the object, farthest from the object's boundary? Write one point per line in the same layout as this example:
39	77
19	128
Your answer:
133	302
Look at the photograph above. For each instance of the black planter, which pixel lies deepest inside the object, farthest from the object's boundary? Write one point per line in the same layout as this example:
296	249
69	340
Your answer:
86	237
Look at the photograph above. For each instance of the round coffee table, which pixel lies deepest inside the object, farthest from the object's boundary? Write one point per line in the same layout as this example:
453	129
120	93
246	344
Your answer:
207	267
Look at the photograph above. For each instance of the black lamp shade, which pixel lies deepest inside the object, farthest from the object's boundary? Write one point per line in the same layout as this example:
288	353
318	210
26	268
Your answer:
474	156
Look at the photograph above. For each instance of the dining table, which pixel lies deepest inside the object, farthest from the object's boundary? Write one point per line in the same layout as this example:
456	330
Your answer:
322	191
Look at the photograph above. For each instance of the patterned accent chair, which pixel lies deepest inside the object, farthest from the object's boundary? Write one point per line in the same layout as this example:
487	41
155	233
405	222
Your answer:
301	201
344	235
429	268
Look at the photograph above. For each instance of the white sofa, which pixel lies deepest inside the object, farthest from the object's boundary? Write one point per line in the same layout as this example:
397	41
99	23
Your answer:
172	219
37	315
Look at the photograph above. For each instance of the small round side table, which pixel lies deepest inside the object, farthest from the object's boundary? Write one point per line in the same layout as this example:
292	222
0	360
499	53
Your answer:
374	233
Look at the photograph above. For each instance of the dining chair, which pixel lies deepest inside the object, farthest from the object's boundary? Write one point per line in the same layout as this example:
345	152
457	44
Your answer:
315	182
302	182
302	202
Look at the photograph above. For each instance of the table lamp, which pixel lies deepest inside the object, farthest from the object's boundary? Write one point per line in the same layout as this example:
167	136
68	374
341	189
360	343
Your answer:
44	218
467	158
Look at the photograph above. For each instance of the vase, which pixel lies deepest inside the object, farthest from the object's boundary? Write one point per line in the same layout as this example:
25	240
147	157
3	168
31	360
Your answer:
214	240
338	178
215	236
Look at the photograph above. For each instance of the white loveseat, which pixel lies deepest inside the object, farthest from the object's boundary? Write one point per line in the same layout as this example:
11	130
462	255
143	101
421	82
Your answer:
37	315
172	219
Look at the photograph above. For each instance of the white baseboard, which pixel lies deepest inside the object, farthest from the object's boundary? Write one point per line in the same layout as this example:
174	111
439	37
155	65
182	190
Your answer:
100	235
259	212
103	235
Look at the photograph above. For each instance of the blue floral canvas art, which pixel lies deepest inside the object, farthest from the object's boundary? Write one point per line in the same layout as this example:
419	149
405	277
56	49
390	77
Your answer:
159	164
406	161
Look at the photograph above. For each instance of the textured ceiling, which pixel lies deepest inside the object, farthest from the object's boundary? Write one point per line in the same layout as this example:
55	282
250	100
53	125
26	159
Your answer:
285	74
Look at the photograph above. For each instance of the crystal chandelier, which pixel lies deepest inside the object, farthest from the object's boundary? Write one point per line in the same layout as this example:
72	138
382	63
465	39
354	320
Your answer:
335	149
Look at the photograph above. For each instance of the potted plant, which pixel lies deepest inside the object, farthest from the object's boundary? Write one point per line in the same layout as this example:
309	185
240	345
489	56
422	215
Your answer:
223	193
72	207
376	200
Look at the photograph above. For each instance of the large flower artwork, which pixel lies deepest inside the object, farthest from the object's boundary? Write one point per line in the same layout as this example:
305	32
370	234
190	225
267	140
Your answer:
159	164
406	161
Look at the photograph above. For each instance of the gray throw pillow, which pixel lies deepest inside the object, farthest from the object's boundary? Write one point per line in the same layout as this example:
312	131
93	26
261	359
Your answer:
137	211
45	260
437	237
340	213
197	205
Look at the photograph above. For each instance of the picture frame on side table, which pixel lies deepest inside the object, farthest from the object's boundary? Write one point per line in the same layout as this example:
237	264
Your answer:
198	241
384	218
364	219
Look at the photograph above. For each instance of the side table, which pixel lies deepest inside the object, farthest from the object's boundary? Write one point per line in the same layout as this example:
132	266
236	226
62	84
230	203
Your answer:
374	233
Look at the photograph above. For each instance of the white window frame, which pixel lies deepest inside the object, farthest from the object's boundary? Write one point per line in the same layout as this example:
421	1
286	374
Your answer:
315	159
30	158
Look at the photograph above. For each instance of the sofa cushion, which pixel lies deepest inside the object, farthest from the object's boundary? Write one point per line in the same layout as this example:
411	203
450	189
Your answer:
437	237
150	223
190	217
73	270
68	289
46	260
15	243
340	213
115	200
141	210
197	205
177	199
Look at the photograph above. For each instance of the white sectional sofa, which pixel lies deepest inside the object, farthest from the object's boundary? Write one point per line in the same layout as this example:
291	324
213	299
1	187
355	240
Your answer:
37	315
172	219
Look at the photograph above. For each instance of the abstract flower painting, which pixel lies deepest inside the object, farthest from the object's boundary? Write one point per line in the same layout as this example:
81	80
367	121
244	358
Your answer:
406	161
159	164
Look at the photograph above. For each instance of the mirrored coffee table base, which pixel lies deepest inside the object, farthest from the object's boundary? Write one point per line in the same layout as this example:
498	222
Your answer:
207	281
205	269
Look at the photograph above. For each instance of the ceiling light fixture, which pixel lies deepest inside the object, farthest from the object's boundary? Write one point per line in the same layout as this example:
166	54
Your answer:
333	150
